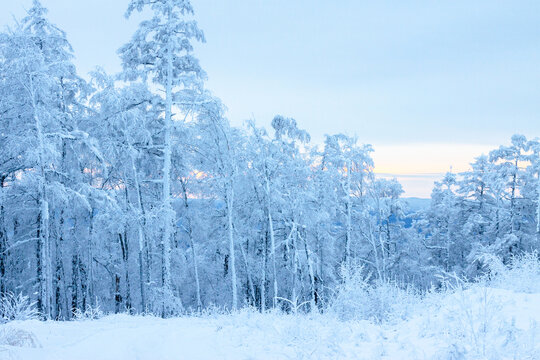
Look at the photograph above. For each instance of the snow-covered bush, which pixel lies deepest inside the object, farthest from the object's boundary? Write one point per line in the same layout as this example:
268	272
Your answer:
17	337
356	298
481	321
92	312
478	320
212	310
17	307
521	275
164	303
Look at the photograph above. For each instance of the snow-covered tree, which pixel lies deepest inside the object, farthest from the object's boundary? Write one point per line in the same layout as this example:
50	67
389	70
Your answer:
40	89
161	52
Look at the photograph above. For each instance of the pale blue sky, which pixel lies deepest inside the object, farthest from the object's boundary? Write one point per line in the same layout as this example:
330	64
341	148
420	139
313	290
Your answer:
414	78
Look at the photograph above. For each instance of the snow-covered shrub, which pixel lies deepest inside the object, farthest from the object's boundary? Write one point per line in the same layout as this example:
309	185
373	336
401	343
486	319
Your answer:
521	275
164	303
17	307
356	298
212	310
480	320
295	304
17	337
92	312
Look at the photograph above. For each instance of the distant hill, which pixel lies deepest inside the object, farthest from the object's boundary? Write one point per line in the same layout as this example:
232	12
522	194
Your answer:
416	204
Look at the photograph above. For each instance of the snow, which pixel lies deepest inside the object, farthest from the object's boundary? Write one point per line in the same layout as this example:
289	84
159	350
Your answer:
478	323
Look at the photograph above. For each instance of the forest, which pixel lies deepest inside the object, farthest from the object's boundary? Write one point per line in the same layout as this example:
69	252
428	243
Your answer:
133	193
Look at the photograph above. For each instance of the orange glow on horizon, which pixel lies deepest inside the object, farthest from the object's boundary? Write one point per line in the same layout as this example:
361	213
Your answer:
417	166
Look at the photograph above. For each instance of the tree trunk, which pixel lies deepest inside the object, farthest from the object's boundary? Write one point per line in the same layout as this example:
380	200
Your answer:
75	283
83	274
91	282
232	258
140	234
311	273
59	268
167	208
3	241
123	240
189	230
349	216
43	258
251	288
117	294
272	243
263	271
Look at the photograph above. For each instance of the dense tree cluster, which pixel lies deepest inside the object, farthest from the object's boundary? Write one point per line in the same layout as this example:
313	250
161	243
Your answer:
492	209
133	192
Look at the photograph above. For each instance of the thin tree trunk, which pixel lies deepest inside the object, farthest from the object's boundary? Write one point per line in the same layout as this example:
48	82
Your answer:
311	273
232	257
140	234
294	238
75	283
43	275
250	282
349	216
263	275
117	294
91	282
189	229
272	243
3	241
147	244
39	268
319	281
512	202
83	273
59	269
125	259
167	208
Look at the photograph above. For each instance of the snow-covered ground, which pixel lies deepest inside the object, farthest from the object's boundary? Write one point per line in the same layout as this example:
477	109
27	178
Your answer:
479	323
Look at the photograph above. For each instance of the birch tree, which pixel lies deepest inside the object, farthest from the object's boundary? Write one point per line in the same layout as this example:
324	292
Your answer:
218	148
161	52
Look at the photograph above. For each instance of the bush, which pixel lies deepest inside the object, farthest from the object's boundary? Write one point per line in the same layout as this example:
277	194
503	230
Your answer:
91	313
16	337
357	299
521	275
164	303
17	308
479	319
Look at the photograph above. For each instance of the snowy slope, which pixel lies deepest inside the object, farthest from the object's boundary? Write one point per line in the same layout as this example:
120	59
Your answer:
480	323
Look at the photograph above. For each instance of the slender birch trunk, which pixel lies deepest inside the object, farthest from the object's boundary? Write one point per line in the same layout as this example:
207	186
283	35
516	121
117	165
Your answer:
140	234
294	240
59	269
272	242
193	250
263	275
232	258
250	282
3	242
349	216
43	258
311	272
167	208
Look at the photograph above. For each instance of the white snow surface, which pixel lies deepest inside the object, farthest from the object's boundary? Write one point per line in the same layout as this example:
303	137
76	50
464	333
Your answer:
478	323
